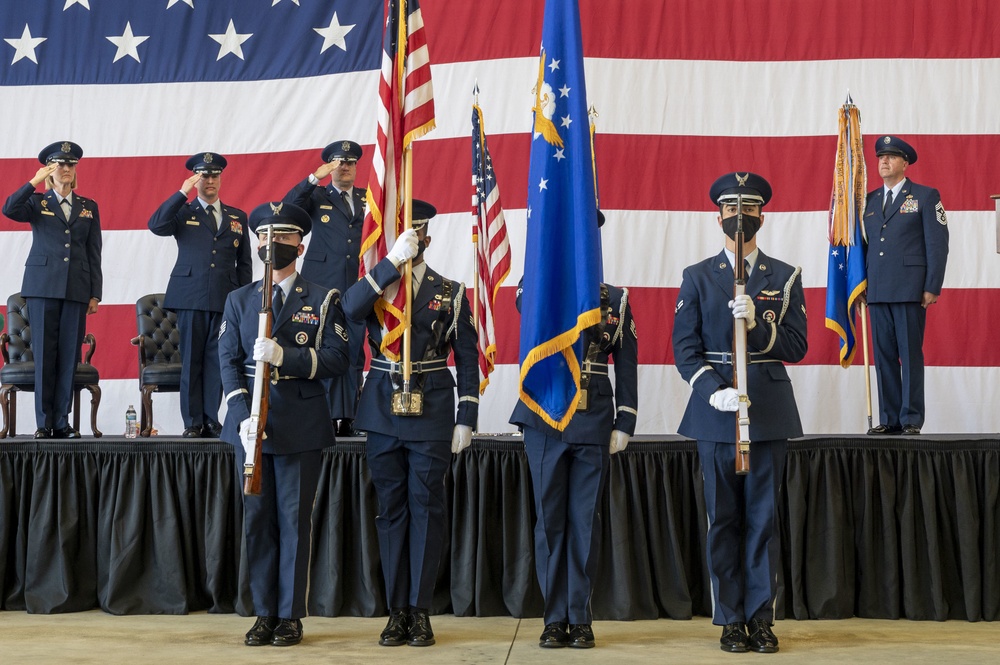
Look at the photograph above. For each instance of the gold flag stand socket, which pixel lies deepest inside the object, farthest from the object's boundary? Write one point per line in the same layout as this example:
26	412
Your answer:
407	404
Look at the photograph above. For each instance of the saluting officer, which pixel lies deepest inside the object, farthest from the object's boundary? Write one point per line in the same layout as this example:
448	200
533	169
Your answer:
308	343
63	282
743	547
907	231
569	468
213	258
409	454
332	260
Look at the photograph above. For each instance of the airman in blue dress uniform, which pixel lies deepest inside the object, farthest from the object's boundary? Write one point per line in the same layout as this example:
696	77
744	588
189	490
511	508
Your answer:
63	282
308	343
907	252
213	258
408	455
743	548
569	469
333	256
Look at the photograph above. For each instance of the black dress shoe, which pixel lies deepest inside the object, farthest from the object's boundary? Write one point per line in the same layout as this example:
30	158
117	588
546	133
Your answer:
65	433
262	632
192	433
396	630
345	426
734	638
420	634
910	430
554	636
885	430
43	433
287	633
211	431
581	636
762	640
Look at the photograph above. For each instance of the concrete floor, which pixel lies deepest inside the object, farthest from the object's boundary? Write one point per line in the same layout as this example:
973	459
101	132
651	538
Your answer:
96	637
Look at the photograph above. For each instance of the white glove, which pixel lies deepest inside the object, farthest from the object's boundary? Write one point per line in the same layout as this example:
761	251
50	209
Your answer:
404	248
743	308
248	436
461	438
725	399
619	440
266	349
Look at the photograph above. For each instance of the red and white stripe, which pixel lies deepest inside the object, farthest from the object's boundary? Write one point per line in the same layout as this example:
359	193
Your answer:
489	235
684	94
406	112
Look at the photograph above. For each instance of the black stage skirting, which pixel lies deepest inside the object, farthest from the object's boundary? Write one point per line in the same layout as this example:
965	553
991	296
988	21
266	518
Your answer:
878	528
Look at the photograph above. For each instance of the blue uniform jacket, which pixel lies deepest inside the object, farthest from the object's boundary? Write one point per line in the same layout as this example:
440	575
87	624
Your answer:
332	257
209	265
439	416
65	257
703	323
595	424
907	245
310	329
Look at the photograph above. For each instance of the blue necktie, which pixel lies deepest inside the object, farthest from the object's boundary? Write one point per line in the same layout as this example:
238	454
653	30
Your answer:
888	202
277	300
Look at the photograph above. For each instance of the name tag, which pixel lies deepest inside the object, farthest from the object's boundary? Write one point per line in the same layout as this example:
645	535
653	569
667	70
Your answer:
47	212
326	207
193	222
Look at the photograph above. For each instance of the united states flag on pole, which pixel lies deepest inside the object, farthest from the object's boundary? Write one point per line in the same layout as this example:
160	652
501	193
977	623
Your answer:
406	112
489	235
290	77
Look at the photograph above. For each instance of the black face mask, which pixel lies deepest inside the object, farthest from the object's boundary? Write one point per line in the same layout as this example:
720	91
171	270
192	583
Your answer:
750	226
283	256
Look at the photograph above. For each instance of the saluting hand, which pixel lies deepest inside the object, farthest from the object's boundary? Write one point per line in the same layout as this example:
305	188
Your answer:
43	173
326	169
190	182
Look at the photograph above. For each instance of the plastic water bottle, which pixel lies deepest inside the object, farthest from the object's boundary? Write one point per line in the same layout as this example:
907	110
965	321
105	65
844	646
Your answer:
131	425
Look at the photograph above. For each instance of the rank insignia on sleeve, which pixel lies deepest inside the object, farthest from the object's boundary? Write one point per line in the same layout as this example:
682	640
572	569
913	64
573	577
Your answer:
340	330
909	205
235	226
680	303
632	328
222	328
942	218
301	337
803	310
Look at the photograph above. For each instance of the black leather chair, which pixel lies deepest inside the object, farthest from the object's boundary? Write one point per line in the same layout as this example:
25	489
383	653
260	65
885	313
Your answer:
159	354
18	371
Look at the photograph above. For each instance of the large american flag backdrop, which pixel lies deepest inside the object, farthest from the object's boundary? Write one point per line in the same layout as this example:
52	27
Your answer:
685	90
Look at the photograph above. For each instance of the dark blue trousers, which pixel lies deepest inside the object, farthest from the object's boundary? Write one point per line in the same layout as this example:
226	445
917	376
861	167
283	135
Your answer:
57	327
898	337
201	377
743	540
278	532
568	481
409	482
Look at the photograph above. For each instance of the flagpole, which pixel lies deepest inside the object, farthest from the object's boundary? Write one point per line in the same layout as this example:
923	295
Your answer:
475	234
407	271
863	308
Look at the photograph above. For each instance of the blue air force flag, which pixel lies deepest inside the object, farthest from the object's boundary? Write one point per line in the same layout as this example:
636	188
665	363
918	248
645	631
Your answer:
563	269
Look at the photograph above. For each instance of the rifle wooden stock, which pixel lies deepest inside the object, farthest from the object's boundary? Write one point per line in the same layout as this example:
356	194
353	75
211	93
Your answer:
740	353
261	383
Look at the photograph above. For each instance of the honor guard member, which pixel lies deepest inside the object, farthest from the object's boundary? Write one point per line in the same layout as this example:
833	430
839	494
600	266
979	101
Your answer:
213	258
743	548
907	232
569	468
308	343
63	281
409	454
332	260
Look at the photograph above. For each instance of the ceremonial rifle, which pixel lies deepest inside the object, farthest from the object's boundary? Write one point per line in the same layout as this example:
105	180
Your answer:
261	381
740	352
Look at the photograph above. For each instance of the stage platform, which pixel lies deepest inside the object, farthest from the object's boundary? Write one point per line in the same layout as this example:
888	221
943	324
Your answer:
882	528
